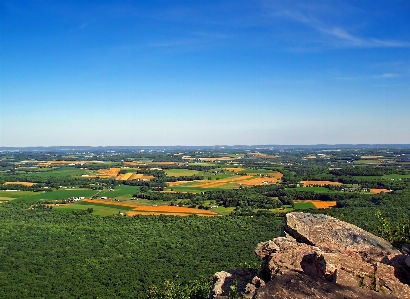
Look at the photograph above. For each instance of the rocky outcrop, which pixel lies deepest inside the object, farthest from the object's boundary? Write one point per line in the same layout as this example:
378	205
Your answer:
320	257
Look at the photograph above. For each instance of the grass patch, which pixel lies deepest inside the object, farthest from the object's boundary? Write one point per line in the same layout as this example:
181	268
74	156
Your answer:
58	172
181	172
223	211
57	195
201	164
15	194
304	206
98	209
396	176
120	191
312	189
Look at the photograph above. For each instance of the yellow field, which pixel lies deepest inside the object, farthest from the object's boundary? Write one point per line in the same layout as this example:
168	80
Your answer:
2	199
260	181
125	176
60	162
108	173
145	164
320	183
323	204
134	176
377	191
27	184
155	210
319	204
233	181
216	159
177	183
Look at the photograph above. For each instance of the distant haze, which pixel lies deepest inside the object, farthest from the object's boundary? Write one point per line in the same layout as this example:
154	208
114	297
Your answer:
104	73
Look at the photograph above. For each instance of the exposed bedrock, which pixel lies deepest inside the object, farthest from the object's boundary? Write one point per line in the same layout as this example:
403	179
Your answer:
320	257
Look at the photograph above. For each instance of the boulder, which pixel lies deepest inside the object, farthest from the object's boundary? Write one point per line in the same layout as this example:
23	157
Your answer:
333	235
321	257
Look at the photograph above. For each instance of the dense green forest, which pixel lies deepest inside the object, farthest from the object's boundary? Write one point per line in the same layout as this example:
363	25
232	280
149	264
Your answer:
46	254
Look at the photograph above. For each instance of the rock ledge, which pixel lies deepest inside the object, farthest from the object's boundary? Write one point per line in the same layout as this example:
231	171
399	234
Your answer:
320	257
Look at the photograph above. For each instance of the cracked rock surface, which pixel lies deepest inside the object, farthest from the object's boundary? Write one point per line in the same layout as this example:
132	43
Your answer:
321	257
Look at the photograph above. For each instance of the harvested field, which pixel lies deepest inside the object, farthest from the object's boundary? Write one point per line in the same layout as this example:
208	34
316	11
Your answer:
61	162
125	176
276	175
140	176
259	181
371	157
233	181
218	183
377	191
216	159
27	184
319	183
322	204
178	183
257	154
145	164
108	173
149	210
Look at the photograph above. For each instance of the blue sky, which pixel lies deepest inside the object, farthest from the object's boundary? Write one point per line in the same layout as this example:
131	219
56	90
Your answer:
204	72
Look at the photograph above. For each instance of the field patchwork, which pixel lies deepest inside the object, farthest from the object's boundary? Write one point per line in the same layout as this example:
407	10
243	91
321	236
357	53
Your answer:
230	182
153	210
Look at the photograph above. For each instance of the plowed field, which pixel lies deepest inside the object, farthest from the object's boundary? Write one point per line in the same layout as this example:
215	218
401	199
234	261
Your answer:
28	184
108	173
322	204
155	210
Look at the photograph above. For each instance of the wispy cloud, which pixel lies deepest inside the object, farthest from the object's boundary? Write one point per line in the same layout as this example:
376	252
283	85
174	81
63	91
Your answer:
337	36
386	76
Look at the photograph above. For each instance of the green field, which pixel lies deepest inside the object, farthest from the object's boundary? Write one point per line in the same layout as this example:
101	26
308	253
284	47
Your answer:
98	209
58	172
56	195
396	176
15	194
201	164
311	189
181	172
122	191
187	188
303	206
